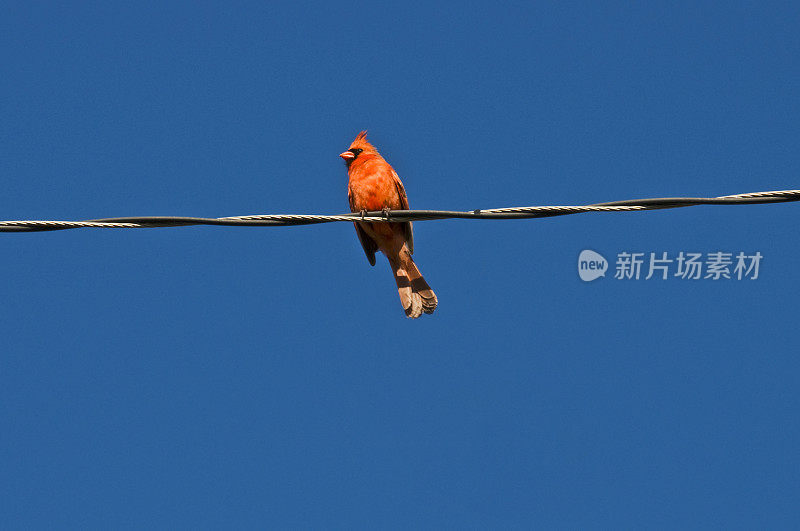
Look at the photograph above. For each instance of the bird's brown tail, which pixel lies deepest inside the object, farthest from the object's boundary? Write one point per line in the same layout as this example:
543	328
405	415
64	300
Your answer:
416	295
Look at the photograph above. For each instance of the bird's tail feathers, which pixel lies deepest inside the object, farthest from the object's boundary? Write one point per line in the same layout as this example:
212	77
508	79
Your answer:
416	296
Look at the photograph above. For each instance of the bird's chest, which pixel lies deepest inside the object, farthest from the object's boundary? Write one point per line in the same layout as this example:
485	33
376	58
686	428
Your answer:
373	193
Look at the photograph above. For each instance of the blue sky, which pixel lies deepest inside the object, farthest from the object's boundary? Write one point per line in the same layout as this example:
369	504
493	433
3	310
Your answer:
243	377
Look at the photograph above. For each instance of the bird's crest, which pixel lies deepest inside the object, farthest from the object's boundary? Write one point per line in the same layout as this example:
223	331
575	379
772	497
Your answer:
362	143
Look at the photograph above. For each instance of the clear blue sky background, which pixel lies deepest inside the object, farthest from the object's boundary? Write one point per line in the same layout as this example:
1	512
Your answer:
239	377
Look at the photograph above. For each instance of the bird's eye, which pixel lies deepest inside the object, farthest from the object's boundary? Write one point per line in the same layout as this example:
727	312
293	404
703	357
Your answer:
355	151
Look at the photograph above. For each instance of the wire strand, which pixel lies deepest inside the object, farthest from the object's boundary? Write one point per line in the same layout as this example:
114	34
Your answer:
283	220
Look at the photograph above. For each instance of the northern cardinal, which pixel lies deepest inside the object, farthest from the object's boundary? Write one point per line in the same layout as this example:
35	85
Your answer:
374	185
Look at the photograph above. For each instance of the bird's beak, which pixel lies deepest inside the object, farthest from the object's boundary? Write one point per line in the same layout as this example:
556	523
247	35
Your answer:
347	156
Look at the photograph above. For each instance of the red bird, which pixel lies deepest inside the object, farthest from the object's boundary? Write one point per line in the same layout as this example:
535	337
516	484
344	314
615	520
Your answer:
374	185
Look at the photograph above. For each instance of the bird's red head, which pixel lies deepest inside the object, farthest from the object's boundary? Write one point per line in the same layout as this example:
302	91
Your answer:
359	146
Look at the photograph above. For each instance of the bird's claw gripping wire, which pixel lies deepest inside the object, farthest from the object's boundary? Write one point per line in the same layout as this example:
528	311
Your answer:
384	213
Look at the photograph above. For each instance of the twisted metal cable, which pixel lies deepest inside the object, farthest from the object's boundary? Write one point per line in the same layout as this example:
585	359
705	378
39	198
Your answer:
281	220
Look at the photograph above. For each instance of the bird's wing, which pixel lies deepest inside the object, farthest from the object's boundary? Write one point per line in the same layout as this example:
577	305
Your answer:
369	245
407	229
